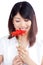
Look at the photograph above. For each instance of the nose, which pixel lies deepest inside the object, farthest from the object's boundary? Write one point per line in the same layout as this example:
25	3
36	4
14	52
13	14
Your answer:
23	24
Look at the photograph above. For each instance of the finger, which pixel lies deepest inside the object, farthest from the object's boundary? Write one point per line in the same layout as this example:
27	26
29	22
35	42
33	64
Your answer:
16	57
17	60
21	57
21	50
17	63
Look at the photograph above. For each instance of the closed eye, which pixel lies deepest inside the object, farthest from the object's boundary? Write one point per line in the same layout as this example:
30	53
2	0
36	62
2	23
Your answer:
17	21
26	20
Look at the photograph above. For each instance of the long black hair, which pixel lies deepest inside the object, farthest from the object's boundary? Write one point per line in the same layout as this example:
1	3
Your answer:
26	11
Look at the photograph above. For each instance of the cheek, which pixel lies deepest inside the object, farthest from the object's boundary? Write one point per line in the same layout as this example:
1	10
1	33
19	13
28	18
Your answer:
16	25
29	23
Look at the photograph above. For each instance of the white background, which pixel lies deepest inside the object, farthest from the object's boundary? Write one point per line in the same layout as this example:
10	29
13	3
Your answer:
5	8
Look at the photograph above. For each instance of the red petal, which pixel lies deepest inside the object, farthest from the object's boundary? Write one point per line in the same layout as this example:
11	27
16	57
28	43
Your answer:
17	32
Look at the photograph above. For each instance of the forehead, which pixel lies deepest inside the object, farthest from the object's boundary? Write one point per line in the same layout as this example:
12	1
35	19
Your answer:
18	16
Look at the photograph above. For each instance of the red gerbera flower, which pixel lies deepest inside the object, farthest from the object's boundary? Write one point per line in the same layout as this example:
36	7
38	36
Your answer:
17	32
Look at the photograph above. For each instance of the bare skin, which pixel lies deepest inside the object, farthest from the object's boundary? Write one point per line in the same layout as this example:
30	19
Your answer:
1	59
42	61
24	55
17	61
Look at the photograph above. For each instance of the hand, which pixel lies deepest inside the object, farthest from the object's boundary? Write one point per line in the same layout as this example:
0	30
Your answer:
17	61
24	55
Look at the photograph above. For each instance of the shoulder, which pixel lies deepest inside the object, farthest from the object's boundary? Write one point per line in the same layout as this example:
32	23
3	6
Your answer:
40	46
6	40
39	42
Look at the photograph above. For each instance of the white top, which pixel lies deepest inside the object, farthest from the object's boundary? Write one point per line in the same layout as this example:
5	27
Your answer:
9	51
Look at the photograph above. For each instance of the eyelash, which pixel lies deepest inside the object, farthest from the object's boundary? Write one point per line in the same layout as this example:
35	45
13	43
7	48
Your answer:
24	20
17	21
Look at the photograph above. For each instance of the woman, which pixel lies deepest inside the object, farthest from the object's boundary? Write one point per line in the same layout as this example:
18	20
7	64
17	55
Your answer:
25	48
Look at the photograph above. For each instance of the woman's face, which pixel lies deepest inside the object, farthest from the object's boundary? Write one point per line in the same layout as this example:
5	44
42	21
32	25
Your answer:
21	23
